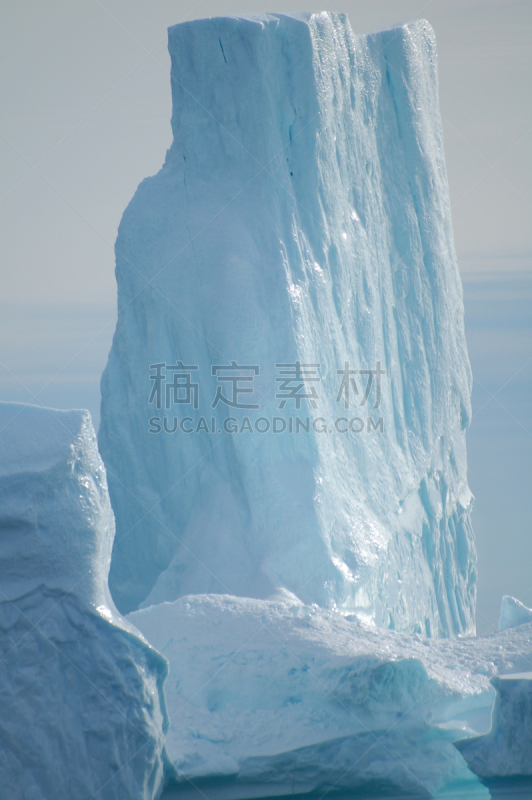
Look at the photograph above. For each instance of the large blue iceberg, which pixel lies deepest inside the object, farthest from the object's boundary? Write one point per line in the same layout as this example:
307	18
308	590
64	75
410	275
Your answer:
294	255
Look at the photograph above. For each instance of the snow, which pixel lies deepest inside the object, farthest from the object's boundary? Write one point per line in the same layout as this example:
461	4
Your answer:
506	751
81	696
513	613
302	215
278	698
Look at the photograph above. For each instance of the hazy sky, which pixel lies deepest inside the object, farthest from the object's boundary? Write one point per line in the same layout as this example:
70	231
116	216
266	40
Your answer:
85	116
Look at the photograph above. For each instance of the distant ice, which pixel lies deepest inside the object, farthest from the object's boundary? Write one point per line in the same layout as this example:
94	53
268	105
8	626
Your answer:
513	613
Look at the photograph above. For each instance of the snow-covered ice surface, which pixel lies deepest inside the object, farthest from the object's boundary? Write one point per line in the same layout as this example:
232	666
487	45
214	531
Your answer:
270	697
302	215
506	751
513	613
82	711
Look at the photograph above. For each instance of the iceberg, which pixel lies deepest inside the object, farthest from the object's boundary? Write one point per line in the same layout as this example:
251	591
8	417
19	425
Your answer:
288	390
506	751
274	698
513	613
82	709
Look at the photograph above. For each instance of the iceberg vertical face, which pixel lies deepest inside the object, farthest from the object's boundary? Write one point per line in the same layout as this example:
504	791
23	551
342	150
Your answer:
301	218
82	710
506	751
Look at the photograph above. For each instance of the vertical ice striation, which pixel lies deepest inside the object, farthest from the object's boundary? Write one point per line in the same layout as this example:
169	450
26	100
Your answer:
302	215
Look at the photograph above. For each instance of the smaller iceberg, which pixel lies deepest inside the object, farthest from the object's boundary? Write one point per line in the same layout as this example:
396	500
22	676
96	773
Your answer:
506	751
513	613
274	697
82	710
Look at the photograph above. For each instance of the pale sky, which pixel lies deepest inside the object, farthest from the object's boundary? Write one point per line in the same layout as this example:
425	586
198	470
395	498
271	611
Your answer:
85	116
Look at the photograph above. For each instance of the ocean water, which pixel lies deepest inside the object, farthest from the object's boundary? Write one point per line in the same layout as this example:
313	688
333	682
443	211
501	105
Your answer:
498	321
222	789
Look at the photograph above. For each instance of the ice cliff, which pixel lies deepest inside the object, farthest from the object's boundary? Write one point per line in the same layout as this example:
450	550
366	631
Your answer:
82	712
294	251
